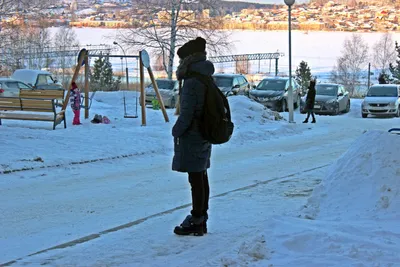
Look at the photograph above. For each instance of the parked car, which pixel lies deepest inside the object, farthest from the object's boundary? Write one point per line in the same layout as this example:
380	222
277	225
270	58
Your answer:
169	90
330	99
272	92
38	79
382	99
10	87
232	84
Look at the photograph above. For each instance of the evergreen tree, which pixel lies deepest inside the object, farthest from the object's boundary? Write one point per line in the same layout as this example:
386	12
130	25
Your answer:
102	76
303	75
395	68
384	78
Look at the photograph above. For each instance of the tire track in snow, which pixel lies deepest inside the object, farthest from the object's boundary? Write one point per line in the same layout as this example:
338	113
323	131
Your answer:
91	237
75	163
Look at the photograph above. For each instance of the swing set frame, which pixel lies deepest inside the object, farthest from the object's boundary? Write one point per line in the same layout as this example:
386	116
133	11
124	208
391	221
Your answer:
144	62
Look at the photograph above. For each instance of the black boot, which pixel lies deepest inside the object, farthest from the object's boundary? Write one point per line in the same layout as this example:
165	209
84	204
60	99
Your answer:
305	121
191	225
313	121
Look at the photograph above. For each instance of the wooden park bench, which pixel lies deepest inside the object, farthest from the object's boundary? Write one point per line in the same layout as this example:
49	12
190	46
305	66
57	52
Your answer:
57	94
33	105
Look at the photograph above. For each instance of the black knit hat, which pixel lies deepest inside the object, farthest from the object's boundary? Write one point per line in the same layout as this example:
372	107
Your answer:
193	46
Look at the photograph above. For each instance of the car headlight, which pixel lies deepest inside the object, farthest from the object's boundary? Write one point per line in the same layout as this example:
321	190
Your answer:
393	104
332	101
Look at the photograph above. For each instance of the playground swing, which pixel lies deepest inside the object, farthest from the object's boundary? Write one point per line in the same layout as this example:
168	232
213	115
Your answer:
126	115
90	101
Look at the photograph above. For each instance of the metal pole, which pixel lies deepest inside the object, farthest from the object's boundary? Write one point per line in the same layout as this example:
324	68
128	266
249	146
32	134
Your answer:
290	93
369	75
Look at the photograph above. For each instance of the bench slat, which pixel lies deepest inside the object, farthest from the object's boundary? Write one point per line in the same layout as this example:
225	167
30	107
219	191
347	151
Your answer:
32	117
9	108
44	94
36	105
9	101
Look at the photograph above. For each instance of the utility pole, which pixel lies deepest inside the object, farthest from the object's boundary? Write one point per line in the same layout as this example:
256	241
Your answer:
369	75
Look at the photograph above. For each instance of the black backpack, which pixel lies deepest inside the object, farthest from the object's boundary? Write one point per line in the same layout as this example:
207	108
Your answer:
216	125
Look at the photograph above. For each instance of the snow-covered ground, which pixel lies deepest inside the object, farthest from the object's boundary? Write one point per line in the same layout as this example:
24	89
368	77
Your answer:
104	195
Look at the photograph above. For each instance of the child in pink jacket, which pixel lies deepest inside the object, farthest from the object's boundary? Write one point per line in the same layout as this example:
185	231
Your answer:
75	101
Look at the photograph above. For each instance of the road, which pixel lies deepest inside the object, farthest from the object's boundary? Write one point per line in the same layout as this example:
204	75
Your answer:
51	207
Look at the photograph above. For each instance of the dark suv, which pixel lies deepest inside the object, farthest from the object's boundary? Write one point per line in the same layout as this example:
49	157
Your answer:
273	93
232	84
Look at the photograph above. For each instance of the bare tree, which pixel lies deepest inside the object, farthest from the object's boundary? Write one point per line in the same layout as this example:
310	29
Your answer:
349	65
170	23
10	6
64	40
384	52
19	38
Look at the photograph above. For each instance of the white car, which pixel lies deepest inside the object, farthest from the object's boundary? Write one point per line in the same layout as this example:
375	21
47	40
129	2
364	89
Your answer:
169	90
10	87
382	99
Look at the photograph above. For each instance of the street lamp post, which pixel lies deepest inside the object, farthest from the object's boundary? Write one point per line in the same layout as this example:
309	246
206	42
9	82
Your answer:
289	3
126	64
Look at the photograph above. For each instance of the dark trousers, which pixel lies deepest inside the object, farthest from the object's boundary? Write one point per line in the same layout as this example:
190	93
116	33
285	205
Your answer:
310	112
200	193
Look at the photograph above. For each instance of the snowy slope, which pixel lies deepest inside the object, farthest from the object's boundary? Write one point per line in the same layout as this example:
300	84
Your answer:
119	205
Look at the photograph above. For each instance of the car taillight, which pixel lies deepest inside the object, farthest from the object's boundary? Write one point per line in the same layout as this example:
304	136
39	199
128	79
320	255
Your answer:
1	91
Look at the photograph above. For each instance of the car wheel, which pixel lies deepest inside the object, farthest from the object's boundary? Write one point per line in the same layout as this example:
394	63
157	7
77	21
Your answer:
283	106
337	110
364	115
348	107
398	112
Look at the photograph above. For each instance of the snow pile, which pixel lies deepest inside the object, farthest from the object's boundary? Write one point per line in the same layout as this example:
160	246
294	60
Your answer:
244	110
363	184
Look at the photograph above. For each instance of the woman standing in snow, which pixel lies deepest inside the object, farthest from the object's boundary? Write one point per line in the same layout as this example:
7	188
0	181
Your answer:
310	102
191	151
75	101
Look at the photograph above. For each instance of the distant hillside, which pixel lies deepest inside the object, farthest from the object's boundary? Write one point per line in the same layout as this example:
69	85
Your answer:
236	6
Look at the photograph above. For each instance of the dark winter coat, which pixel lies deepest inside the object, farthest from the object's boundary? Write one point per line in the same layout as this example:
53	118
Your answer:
191	151
310	98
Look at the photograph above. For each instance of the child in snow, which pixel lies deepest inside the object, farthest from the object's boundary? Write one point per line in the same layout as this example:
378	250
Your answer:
75	100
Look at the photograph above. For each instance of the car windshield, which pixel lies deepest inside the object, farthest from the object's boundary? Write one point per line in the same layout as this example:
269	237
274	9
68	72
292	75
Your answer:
272	85
223	81
323	89
389	91
164	84
44	79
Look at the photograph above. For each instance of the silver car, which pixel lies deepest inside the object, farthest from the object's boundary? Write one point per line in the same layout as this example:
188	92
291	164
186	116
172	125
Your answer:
10	87
169	90
232	84
330	98
272	92
382	99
